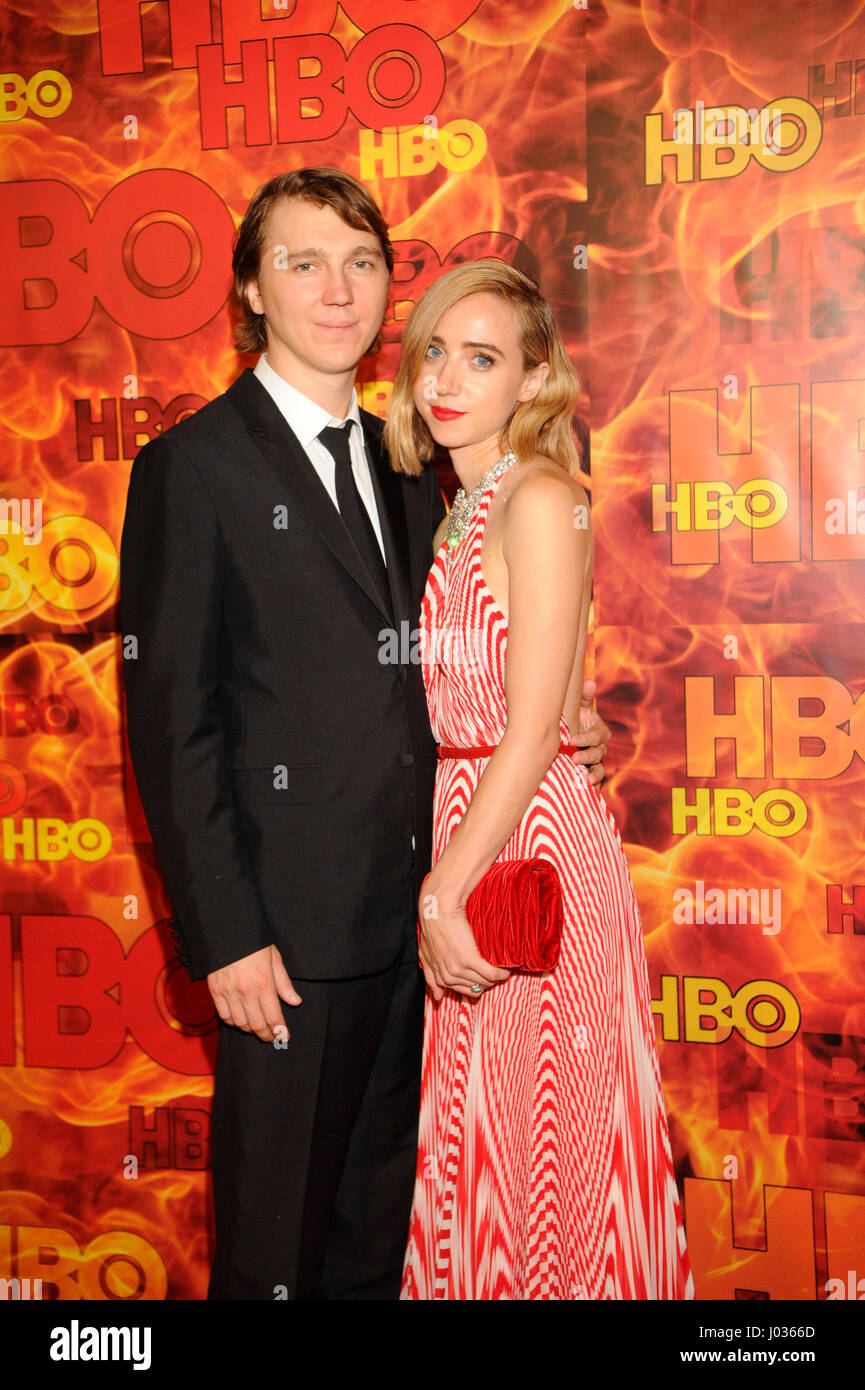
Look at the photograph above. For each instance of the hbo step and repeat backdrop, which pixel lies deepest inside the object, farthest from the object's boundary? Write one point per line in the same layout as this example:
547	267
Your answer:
686	184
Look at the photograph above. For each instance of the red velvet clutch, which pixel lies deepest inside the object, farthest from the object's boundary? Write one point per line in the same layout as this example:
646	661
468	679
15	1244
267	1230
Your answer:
516	914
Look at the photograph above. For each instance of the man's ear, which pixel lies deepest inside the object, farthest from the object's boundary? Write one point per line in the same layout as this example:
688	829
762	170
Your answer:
533	381
253	297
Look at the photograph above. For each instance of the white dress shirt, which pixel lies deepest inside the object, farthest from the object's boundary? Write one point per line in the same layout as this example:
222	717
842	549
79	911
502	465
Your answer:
307	420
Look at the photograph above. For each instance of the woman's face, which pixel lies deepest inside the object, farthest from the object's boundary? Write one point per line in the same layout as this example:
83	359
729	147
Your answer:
472	373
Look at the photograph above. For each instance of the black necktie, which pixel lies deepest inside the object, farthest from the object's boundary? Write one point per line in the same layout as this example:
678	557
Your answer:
351	508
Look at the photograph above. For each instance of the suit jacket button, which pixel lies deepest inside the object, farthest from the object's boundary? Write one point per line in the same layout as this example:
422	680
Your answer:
406	759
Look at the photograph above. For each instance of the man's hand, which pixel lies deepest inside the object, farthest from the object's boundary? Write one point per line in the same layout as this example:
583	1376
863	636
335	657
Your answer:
247	993
592	737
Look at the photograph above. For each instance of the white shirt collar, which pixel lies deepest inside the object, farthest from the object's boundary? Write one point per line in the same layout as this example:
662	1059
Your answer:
306	418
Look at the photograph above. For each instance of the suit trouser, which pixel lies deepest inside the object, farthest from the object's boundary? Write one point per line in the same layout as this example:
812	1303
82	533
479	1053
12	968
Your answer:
315	1143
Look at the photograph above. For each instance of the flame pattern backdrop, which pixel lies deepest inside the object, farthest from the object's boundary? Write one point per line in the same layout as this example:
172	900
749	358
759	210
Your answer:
708	268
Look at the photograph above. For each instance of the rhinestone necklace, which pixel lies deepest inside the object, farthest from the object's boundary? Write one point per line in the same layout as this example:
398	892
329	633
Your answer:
463	507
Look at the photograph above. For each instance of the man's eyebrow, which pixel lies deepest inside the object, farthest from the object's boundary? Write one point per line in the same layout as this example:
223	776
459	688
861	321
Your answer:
307	251
487	347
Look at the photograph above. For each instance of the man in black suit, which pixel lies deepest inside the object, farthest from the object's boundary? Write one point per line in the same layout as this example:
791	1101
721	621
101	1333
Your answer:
285	762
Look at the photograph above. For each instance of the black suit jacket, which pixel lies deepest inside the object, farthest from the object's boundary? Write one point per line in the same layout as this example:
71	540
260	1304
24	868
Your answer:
283	765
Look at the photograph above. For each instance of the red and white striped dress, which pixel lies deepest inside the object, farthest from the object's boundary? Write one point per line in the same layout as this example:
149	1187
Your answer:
544	1165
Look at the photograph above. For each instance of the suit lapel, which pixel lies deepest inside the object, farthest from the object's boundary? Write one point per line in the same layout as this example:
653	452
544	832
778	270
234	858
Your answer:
283	451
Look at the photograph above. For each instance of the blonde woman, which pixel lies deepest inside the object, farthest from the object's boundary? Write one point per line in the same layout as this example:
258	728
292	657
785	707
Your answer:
544	1166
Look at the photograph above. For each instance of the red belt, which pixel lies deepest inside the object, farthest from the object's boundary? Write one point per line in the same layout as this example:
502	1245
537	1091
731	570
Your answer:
486	750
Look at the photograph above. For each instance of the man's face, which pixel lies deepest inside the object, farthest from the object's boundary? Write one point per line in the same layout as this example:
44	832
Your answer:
322	287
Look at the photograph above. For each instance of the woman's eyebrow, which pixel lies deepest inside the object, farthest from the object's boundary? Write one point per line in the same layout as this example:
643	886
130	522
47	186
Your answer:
487	347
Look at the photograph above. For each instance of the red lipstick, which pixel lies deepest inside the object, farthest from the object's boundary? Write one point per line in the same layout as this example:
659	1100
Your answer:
442	413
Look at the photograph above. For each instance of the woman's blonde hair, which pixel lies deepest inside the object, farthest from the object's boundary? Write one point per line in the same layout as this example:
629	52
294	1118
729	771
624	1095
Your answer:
539	426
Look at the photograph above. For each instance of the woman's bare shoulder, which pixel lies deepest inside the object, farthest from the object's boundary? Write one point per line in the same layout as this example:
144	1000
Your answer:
540	481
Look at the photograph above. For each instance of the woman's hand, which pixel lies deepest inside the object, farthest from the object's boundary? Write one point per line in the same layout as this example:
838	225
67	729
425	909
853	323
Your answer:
448	954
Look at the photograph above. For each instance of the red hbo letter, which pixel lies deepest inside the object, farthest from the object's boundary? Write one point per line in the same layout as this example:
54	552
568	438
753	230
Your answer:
120	33
180	407
242	20
7	995
67	966
160	248
395	76
13	793
292	89
478	245
435	17
44	228
18	715
416	265
191	1138
170	1016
